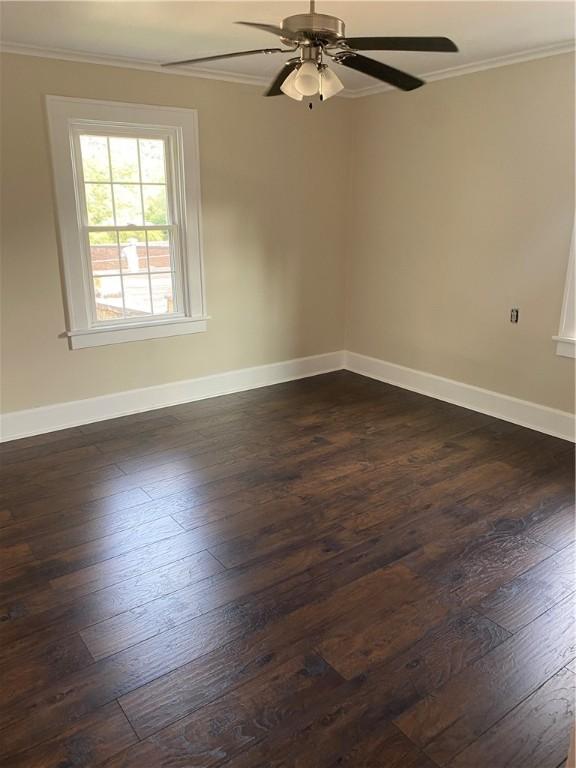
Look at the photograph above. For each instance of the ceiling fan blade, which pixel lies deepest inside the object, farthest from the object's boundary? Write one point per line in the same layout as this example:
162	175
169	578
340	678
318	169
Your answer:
267	28
274	89
223	56
439	44
380	71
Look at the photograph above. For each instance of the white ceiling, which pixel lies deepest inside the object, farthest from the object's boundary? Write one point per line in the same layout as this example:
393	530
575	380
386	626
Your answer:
153	32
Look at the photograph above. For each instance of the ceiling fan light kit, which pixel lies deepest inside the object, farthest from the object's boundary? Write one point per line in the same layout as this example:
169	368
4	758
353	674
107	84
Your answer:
307	78
317	37
330	84
288	87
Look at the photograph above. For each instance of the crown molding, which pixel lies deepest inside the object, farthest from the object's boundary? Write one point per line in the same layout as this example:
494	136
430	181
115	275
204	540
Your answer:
478	66
228	77
83	57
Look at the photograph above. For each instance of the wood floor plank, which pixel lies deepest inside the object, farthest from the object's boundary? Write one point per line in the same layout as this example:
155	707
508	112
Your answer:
191	457
26	482
91	485
535	734
197	683
51	443
134	423
61	616
221	730
387	747
83	744
321	736
542	500
468	571
520	601
5	517
24	672
24	577
354	649
90	502
129	565
447	722
557	530
59	464
25	449
53	533
16	554
443	651
109	476
120	448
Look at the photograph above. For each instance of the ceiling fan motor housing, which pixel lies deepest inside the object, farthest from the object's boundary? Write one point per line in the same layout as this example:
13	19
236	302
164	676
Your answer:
313	28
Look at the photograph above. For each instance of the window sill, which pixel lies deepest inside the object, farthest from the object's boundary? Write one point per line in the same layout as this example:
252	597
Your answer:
96	337
565	346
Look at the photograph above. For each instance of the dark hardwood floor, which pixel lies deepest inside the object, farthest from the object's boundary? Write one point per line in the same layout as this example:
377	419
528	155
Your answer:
330	572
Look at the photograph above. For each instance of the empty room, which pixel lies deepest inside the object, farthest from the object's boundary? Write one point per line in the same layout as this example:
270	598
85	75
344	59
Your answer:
287	388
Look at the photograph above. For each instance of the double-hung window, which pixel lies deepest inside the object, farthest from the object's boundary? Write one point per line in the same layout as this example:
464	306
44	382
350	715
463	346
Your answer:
127	190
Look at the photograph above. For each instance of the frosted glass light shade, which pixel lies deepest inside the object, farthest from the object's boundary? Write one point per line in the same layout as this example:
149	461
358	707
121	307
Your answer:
330	84
308	79
288	87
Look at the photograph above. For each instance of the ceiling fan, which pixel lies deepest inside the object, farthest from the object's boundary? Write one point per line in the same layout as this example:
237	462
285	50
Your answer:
318	36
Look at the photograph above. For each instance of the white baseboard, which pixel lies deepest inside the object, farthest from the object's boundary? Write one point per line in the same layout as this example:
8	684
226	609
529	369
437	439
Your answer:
526	414
36	421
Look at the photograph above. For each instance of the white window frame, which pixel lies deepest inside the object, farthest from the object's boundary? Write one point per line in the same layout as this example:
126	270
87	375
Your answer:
67	118
566	339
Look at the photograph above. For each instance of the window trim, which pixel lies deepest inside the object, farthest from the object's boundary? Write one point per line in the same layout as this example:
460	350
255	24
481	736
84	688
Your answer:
66	118
565	340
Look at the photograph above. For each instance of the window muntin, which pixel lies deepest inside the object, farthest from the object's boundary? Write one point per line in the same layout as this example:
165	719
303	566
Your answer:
129	225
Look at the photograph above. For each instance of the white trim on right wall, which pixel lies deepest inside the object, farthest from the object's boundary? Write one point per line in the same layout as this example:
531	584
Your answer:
532	415
566	339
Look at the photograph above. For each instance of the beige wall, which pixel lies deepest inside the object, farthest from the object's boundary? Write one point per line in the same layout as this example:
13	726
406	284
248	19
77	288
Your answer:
445	207
272	250
463	208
